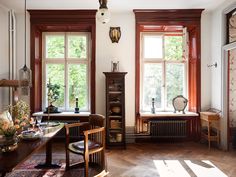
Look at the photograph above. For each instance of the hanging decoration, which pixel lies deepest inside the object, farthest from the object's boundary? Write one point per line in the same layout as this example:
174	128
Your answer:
25	72
115	34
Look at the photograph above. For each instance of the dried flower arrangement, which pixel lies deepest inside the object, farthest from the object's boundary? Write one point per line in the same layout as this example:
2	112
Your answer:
20	113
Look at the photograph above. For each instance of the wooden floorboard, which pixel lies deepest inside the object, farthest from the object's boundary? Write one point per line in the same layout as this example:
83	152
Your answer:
156	159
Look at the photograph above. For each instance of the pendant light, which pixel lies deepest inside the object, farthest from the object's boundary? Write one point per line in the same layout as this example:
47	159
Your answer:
25	73
103	14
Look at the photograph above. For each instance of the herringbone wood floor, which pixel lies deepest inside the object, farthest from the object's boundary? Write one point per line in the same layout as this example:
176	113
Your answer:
138	159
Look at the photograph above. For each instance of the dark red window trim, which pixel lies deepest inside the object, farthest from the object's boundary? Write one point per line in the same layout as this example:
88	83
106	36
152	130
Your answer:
58	21
190	18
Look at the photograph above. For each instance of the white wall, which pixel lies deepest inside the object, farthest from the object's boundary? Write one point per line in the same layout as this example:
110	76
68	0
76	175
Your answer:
124	52
4	56
205	60
4	51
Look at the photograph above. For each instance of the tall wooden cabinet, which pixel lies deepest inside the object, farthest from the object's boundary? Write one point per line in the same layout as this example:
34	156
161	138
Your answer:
115	109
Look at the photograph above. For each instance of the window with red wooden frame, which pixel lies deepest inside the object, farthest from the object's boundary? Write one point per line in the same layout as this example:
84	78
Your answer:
170	20
163	68
58	21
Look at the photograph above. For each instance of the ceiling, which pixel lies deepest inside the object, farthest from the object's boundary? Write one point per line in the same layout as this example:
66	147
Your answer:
113	5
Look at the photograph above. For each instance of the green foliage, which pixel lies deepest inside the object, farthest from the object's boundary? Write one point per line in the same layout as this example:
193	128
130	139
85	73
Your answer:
55	46
173	48
56	74
174	81
77	47
78	85
53	92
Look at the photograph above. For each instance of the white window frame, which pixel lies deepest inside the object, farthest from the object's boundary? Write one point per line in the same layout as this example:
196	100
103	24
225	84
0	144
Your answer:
163	62
66	61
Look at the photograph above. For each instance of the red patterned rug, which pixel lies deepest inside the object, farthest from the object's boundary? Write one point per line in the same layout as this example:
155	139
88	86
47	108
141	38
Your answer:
27	168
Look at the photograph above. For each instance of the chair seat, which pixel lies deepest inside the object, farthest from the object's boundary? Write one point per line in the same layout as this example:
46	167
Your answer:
78	147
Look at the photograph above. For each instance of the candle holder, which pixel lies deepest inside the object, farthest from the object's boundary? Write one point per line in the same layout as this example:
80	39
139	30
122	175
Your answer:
153	106
76	105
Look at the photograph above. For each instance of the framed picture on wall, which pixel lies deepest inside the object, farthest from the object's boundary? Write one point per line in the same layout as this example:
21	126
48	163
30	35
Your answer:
231	26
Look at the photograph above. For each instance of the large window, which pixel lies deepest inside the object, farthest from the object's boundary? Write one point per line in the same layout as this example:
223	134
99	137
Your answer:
66	62
163	70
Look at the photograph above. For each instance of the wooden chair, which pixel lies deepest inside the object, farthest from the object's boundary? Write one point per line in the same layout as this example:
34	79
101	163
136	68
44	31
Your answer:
92	147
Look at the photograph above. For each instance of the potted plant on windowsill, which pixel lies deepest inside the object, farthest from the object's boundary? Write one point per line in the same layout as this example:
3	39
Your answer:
53	95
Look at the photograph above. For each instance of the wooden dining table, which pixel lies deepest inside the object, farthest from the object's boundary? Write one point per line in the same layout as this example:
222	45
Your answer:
10	160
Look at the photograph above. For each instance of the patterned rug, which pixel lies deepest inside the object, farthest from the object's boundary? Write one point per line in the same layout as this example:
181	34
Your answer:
27	168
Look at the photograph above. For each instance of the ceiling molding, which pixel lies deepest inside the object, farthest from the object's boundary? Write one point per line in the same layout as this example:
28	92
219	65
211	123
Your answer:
57	16
153	15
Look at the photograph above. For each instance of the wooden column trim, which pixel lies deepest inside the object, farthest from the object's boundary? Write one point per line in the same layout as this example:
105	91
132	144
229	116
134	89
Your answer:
137	77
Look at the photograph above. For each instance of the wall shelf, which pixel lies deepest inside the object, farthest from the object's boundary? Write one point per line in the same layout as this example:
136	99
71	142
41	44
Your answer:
9	83
12	83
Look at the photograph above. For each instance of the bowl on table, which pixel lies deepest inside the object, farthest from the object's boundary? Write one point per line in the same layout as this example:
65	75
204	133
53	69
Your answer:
30	135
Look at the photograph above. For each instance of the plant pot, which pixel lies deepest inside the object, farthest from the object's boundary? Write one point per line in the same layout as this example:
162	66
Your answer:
52	109
8	144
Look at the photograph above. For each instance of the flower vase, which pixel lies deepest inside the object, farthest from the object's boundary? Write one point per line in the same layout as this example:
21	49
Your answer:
8	143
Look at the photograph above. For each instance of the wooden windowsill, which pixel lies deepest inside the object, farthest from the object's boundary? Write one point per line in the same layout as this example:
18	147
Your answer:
168	114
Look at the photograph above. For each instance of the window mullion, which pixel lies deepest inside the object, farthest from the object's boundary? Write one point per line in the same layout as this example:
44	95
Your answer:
66	82
89	42
164	90
164	86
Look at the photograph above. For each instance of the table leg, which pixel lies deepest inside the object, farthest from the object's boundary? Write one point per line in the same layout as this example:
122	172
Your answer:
48	162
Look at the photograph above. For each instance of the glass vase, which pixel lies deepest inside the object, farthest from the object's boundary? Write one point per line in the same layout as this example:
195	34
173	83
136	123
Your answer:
9	143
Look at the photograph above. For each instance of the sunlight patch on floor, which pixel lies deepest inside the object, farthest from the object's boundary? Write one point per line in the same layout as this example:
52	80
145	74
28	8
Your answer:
170	168
204	168
187	168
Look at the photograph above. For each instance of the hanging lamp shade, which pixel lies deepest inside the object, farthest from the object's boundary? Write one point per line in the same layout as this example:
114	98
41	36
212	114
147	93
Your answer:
103	14
25	76
25	80
25	73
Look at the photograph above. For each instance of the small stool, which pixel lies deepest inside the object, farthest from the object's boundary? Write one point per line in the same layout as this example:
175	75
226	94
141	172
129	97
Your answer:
211	120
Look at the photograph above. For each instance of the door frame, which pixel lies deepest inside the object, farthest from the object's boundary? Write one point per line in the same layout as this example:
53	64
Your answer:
225	128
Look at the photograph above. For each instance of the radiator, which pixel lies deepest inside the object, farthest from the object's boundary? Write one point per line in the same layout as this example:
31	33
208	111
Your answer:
168	128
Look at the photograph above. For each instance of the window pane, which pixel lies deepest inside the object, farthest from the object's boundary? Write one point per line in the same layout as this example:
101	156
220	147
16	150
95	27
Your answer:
78	86
55	46
153	46
152	86
174	48
77	47
55	72
174	82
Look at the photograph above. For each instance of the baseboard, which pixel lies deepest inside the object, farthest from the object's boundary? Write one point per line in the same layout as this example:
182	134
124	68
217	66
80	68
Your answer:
130	136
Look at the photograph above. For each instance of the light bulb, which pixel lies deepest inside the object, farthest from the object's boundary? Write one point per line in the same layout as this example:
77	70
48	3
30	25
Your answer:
103	15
